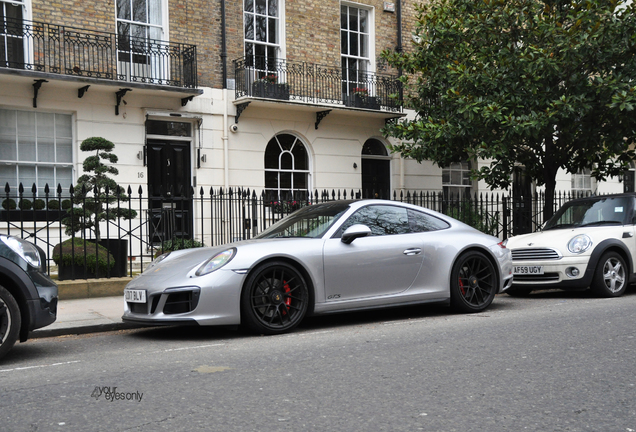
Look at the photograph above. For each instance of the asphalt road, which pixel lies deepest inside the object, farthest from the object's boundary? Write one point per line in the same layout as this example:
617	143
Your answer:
553	362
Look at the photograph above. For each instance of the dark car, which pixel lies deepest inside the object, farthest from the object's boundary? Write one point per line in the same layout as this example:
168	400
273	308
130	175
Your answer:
28	297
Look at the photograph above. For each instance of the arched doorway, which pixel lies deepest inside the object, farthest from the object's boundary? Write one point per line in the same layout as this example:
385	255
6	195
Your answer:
376	170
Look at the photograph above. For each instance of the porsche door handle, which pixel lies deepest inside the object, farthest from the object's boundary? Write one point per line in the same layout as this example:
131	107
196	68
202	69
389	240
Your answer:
413	251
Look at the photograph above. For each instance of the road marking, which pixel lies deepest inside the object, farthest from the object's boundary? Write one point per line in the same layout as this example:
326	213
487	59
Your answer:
39	366
188	348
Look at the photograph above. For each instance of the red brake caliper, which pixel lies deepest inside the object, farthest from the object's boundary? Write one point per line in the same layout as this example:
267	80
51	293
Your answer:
288	298
461	287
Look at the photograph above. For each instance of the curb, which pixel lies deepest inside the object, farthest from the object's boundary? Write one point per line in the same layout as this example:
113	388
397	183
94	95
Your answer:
96	328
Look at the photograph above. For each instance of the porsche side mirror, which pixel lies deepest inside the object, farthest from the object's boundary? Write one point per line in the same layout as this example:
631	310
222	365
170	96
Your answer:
354	232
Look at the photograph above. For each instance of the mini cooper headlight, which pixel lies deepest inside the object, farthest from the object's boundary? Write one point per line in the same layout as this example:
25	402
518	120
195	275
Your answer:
579	244
216	262
24	249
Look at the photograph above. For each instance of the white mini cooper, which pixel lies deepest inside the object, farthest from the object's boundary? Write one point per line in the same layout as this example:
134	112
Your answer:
588	243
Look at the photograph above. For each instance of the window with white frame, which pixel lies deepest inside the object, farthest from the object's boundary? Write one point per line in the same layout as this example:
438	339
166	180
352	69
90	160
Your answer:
355	49
456	181
12	14
138	21
35	147
286	168
582	182
261	23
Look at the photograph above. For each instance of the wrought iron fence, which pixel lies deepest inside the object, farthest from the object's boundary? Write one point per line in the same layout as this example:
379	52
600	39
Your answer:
44	47
314	83
215	217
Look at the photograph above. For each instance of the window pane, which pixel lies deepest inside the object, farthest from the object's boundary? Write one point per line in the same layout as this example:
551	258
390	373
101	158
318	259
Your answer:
285	181
364	20
353	19
8	175
353	44
273	8
7	148
46	175
63	126
364	46
420	222
271	37
271	179
139	11
300	181
286	161
343	17
261	28
261	6
26	176
249	5
300	156
123	9
45	125
64	150
26	123
26	148
344	42
46	149
7	122
63	176
382	220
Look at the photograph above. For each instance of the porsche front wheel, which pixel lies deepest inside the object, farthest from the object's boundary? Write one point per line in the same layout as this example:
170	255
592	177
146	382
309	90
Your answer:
473	282
275	299
10	321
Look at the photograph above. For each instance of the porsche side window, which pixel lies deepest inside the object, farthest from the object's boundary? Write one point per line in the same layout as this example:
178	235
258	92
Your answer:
382	220
422	222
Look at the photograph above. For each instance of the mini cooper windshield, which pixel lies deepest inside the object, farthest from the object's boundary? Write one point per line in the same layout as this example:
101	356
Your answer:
593	212
311	221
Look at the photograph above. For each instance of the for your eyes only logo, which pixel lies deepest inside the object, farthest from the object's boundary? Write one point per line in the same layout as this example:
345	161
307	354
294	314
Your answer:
111	394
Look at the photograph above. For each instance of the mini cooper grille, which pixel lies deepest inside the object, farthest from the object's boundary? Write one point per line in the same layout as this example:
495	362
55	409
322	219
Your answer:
535	254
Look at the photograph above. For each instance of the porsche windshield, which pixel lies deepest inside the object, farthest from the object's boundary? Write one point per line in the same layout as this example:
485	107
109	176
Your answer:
592	212
312	221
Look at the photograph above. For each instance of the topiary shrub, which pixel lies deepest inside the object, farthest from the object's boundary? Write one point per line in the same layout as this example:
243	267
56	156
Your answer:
66	204
71	253
54	205
9	204
25	204
39	204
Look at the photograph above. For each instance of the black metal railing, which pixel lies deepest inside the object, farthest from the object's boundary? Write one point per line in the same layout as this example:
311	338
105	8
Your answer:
216	217
56	49
314	83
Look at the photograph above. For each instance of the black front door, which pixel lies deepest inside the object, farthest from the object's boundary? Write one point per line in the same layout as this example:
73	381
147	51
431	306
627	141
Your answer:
522	204
169	189
376	178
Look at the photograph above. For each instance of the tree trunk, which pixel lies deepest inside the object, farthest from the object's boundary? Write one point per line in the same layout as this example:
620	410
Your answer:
550	169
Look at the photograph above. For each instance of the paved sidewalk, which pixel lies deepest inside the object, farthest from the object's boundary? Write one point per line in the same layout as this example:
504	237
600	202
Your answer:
87	315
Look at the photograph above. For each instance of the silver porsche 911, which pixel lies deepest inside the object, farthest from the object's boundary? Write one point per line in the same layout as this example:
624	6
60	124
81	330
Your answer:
324	258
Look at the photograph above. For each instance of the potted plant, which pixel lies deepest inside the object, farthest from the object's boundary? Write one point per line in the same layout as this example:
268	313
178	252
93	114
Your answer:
79	259
359	98
98	198
268	87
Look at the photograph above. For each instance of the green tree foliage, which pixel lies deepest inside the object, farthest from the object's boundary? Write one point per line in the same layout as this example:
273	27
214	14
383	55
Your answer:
97	197
537	84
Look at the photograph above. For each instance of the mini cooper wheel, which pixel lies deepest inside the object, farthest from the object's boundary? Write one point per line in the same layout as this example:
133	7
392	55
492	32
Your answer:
610	277
473	282
10	321
275	299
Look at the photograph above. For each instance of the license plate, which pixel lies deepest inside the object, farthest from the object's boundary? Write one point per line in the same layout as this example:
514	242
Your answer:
135	296
530	270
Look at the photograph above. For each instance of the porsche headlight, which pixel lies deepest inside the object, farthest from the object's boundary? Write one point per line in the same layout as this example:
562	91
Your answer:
24	249
216	262
579	244
157	260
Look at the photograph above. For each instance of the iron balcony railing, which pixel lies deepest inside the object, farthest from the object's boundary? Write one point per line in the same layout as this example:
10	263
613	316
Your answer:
56	49
316	84
215	217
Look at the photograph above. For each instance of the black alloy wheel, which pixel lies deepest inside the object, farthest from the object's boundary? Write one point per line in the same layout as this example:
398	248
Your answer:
473	282
10	321
275	299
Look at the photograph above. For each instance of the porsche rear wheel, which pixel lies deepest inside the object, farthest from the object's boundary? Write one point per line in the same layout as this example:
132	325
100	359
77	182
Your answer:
10	321
473	282
275	299
610	277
